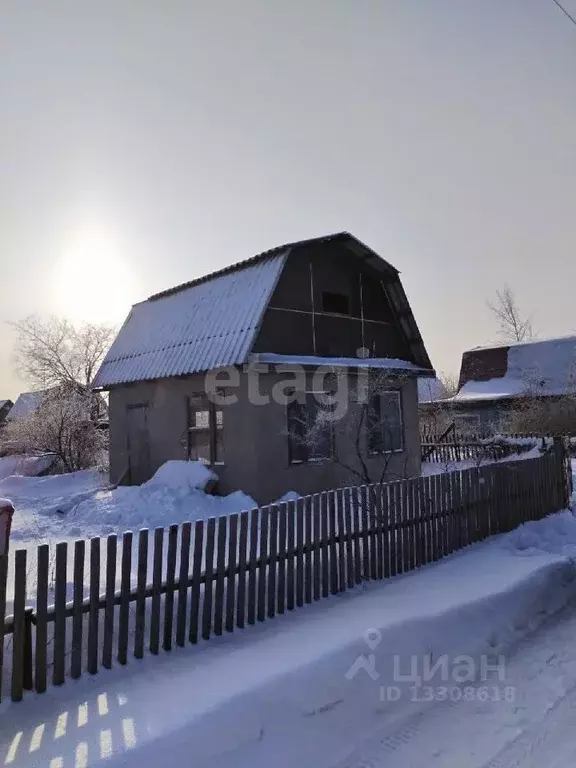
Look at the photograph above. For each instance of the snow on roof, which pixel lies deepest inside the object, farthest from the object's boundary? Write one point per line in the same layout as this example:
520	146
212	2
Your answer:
207	324
26	403
389	363
430	389
544	368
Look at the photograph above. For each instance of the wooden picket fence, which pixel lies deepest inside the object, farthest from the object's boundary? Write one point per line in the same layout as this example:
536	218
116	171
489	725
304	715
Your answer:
222	574
453	446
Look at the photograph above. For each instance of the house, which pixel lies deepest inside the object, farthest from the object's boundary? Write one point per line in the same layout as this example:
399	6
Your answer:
227	367
435	417
495	381
5	406
27	403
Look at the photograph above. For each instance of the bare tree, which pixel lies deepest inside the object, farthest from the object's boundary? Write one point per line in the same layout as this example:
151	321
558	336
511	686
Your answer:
63	425
363	440
449	384
512	324
52	352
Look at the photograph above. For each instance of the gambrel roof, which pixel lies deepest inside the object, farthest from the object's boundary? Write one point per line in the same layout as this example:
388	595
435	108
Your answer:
213	321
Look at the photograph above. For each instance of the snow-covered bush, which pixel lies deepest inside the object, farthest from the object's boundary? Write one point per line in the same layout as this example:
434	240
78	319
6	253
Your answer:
63	424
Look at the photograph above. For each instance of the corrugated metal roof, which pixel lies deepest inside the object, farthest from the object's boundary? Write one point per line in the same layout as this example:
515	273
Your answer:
206	324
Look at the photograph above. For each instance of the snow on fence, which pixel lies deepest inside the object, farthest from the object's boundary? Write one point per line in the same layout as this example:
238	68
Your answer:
222	574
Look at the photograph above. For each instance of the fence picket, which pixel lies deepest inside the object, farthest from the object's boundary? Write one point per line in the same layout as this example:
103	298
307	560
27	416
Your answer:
19	625
170	587
185	538
125	587
156	587
242	570
290	524
111	547
349	537
140	618
58	669
406	529
299	552
231	578
341	556
317	538
388	510
41	666
196	573
308	545
325	535
220	576
93	615
381	534
262	567
357	515
281	597
272	569
209	578
365	527
252	558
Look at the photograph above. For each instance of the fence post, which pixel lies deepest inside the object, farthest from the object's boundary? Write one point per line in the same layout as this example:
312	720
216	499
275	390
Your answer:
6	514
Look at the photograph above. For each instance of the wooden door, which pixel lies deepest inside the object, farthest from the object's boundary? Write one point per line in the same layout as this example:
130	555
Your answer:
138	444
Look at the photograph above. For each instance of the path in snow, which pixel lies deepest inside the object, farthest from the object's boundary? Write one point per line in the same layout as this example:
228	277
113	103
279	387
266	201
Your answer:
535	730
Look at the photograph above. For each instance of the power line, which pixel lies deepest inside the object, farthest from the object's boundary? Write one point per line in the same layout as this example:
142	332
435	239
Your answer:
572	19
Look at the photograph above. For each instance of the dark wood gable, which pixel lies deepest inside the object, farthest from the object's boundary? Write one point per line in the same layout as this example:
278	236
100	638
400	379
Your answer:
330	302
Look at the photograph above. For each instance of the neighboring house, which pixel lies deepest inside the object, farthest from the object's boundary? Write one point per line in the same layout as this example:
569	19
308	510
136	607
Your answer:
282	315
495	380
435	416
5	406
27	403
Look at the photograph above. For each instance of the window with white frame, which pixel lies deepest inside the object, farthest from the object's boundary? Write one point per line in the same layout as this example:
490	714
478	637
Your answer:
384	424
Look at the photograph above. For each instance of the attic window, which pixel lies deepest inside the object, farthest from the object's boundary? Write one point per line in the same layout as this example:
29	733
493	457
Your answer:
335	303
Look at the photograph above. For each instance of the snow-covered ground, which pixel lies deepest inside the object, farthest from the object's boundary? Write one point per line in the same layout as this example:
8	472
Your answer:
81	505
285	693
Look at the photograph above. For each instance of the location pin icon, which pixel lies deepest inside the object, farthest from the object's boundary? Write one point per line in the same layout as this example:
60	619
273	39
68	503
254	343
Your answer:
373	638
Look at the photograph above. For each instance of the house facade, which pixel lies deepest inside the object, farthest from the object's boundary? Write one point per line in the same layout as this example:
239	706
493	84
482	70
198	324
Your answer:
495	382
240	368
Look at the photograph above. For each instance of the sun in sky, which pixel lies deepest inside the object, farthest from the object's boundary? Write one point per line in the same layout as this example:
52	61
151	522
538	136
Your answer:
92	280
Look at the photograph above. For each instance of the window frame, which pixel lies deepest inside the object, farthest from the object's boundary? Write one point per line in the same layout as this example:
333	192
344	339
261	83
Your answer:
382	452
215	446
309	459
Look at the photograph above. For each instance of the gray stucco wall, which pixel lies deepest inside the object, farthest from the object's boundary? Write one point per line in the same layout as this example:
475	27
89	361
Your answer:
255	440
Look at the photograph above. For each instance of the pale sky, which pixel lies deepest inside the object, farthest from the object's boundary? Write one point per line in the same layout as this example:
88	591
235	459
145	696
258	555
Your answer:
146	142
